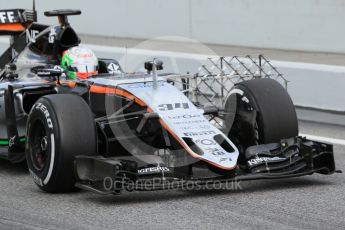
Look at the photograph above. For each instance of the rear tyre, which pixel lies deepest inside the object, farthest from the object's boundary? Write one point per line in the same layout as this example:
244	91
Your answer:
264	113
59	128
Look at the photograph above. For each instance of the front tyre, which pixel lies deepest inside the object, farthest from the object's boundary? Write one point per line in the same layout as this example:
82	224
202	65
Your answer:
264	113
59	128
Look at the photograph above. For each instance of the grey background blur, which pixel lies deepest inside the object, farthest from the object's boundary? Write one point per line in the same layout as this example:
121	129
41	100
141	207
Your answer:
278	28
307	25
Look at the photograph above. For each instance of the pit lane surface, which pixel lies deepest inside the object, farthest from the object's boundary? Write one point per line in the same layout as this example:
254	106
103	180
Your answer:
311	202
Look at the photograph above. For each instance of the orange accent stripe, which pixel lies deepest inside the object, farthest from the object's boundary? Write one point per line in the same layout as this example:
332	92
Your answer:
12	27
70	84
101	90
85	75
107	90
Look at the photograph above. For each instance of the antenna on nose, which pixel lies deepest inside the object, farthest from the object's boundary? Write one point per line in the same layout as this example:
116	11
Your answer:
34	13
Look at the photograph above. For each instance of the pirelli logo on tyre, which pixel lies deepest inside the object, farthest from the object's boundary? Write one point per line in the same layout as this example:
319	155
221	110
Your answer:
46	113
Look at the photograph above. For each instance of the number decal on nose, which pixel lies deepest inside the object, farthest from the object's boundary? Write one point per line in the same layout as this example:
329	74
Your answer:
166	107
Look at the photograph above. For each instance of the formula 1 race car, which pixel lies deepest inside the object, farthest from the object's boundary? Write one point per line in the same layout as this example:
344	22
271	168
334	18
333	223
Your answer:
116	131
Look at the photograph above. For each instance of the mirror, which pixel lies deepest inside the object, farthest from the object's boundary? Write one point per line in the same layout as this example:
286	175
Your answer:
47	71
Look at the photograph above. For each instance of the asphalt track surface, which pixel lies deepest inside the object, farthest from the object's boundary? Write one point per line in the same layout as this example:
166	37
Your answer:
311	202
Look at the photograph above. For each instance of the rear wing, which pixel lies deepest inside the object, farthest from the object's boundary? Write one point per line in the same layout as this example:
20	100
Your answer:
16	20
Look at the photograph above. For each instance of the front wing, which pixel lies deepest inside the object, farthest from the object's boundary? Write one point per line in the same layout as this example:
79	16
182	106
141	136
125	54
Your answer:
113	175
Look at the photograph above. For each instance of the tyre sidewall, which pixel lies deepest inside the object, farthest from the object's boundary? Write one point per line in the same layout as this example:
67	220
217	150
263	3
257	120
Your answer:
42	112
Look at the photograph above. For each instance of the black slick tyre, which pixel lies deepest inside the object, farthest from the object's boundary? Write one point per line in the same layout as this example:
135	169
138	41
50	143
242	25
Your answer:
264	113
59	128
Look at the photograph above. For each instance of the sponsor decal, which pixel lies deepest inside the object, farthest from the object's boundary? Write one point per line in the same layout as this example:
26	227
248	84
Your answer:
167	107
52	35
190	122
11	141
224	159
206	142
215	151
153	170
260	160
14	53
44	109
113	68
31	35
8	17
196	127
202	133
186	116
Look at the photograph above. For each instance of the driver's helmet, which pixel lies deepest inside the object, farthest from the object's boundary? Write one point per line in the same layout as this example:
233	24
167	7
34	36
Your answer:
79	62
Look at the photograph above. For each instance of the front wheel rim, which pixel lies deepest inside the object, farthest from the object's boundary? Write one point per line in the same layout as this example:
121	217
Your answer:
39	146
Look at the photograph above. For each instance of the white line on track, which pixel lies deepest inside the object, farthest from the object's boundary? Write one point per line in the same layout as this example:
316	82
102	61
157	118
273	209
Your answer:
324	139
